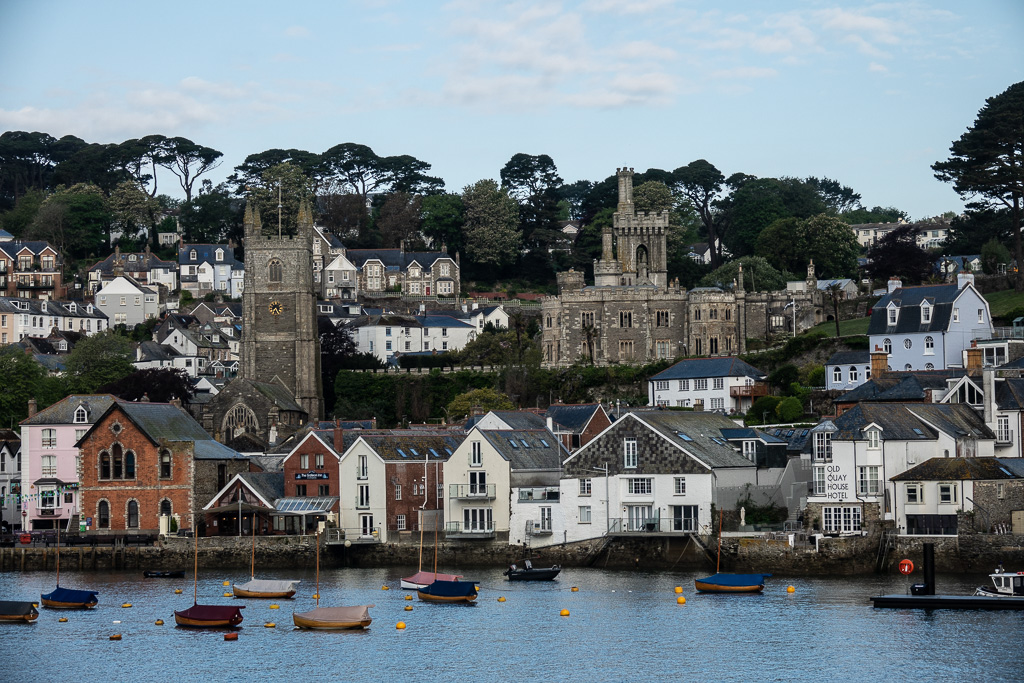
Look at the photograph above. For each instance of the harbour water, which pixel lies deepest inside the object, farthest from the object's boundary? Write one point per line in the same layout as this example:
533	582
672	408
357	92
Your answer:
622	626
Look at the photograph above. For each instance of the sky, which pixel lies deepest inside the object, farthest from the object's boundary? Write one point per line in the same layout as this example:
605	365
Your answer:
868	93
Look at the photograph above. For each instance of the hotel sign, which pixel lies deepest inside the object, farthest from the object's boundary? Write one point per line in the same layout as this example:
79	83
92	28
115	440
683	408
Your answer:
312	475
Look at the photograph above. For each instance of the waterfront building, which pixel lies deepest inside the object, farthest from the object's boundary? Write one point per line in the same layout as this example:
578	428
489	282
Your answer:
726	385
50	470
248	497
10	479
312	480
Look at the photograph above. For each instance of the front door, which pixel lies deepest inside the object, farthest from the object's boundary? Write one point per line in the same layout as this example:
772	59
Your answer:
366	525
478	483
637	516
684	518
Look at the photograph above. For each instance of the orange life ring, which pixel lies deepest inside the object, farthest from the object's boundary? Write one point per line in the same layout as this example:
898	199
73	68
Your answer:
906	567
25	539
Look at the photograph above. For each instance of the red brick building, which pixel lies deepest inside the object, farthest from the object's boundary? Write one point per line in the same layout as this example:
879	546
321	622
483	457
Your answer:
141	461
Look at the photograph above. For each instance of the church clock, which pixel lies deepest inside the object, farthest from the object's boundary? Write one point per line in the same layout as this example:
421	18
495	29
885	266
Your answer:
275	308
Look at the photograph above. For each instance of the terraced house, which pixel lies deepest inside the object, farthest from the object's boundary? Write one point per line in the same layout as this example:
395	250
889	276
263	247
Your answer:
432	273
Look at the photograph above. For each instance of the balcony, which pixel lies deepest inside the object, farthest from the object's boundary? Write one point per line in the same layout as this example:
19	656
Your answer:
355	536
30	285
749	391
478	532
1004	436
656	525
538	495
471	491
541	528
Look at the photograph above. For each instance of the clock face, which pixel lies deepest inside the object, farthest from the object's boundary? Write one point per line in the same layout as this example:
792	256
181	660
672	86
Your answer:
275	308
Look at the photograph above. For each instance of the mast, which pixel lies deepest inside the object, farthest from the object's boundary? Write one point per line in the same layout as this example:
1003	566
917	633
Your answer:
718	564
58	556
252	565
318	565
195	570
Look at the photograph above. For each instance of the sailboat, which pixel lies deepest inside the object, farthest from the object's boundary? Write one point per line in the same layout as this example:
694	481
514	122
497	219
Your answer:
15	611
206	616
445	590
331	618
729	583
68	598
422	579
262	588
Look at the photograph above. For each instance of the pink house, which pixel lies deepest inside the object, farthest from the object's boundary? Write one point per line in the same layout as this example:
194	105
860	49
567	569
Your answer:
49	473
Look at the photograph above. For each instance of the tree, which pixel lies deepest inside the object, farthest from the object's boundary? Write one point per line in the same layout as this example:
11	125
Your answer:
652	196
789	409
701	183
280	188
399	218
993	255
835	293
75	220
159	385
442	217
898	254
756	203
482	399
361	171
837	197
877	214
187	161
99	360
575	195
492	233
758	275
831	245
336	345
987	162
130	207
140	158
527	176
23	379
212	215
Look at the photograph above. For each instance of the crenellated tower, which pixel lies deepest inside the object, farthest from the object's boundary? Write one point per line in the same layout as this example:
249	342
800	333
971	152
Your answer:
641	238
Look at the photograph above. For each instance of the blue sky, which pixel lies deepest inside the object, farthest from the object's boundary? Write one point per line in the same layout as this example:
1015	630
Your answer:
870	94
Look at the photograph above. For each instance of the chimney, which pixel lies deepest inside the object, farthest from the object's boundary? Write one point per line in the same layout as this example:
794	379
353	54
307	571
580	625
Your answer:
963	279
879	363
338	440
32	407
551	424
176	402
973	360
988	388
894	284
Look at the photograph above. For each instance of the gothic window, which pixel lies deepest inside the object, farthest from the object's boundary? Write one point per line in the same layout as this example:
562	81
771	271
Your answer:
165	464
103	515
696	314
712	313
118	459
728	314
626	350
274	271
661	318
165	507
129	465
625	318
104	465
698	347
887	345
587	319
713	345
133	515
239	420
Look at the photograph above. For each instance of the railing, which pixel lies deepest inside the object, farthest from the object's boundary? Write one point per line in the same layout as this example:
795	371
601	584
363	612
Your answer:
471	491
1004	436
49	471
662	525
541	528
533	496
353	535
456	529
749	391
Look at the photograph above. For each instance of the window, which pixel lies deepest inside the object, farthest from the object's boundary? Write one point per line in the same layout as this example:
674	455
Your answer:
400	522
625	318
1000	491
129	465
700	385
956	315
718	383
841	519
893	315
696	314
362	469
324	490
476	456
819	481
684	385
907	343
584	514
887	345
626	349
165	508
868	483
929	346
680	486
363	493
915	493
981	315
853	373
947	493
929	366
926	313
300	489
133	515
837	375
104	465
823	446
874	443
661	385
718	404
585	484
304	461
629	453
49	438
398	492
661	318
640	487
319	460
274	271
81	415
103	515
749	447
48	499
69	498
49	465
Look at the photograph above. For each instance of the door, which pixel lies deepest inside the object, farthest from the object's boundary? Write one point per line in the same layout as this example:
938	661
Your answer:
684	518
478	483
365	525
637	516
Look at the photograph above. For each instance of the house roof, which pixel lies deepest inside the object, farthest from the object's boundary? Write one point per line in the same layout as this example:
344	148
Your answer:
911	421
526	449
395	258
572	416
909	299
413	445
849	358
154	351
698	433
1010	393
797	439
901	386
709	367
207	253
12	249
515	419
144	261
269	485
63	411
954	469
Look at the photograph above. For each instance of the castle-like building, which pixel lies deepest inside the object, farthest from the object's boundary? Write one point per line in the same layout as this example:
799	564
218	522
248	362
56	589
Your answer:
634	314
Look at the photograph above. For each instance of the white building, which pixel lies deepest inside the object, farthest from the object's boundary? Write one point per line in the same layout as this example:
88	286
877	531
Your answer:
845	370
387	335
127	302
10	479
209	268
20	318
724	384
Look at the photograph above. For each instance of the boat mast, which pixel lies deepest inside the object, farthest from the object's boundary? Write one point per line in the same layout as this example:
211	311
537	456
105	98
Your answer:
422	510
252	565
195	569
318	566
718	563
435	545
58	556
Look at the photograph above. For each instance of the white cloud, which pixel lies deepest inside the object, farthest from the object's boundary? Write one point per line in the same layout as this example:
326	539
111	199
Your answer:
297	32
627	7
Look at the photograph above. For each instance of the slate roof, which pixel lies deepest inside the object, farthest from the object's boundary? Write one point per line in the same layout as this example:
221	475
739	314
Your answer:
955	469
346	424
533	449
907	422
1010	393
572	416
703	435
709	367
798	439
154	351
278	394
515	419
269	485
395	258
143	262
206	253
12	249
901	386
441	321
413	445
908	299
849	358
63	411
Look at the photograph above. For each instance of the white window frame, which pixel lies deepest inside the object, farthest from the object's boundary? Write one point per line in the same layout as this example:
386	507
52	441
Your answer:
629	455
947	493
679	486
586	485
914	493
869	482
640	486
874	439
476	455
584	514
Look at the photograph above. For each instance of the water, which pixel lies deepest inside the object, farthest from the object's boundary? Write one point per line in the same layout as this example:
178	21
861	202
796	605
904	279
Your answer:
623	626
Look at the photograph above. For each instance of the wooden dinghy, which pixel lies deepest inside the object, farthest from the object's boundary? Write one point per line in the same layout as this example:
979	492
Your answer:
448	591
68	598
264	588
18	612
422	579
732	583
209	616
334	618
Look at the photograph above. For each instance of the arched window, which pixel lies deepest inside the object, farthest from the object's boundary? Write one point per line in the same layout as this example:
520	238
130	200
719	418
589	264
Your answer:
887	345
908	367
103	515
239	420
104	465
129	465
837	375
853	373
165	507
929	366
165	464
274	272
929	345
118	471
133	515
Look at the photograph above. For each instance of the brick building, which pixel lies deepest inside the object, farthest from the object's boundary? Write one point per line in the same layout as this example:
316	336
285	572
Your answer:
576	424
141	461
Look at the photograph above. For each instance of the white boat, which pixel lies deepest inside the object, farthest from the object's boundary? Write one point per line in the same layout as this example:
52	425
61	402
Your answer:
1004	585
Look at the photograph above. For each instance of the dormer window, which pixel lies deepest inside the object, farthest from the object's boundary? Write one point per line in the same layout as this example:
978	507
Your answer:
894	314
192	255
926	312
219	255
874	439
81	415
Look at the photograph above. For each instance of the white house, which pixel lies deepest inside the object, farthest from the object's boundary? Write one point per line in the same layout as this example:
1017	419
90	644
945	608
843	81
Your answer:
208	268
10	479
845	370
20	318
724	384
387	335
125	301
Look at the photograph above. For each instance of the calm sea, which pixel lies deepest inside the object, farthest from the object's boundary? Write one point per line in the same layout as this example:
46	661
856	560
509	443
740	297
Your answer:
623	626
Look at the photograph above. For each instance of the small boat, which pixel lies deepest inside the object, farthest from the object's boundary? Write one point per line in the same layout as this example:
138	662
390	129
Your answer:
262	588
164	574
331	618
448	591
530	573
206	616
68	598
732	583
1004	585
422	579
13	612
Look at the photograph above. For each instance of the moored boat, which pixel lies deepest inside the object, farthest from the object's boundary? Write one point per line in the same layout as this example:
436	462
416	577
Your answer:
15	611
209	616
422	579
1004	585
334	618
530	573
448	591
69	598
164	574
732	583
264	588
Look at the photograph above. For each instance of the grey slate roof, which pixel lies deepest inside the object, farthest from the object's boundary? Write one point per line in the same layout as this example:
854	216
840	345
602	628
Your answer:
533	449
143	262
709	367
907	421
165	421
516	419
413	445
572	416
154	351
849	358
901	386
278	394
63	411
909	299
206	253
698	433
269	485
395	258
955	469
1010	393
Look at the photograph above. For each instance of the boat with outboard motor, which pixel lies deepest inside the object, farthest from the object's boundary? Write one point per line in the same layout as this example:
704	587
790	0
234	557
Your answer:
1004	585
530	573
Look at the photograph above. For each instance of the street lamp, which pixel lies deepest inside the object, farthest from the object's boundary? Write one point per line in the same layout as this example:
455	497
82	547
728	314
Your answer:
793	304
607	499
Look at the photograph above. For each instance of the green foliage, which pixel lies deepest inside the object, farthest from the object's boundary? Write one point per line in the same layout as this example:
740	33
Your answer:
440	360
758	275
492	232
17	220
652	197
994	254
814	375
763	410
185	299
756	513
100	359
877	214
442	219
784	376
899	254
482	399
789	409
23	379
76	220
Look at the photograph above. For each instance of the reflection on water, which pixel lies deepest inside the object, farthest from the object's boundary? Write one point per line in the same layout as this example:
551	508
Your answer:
623	626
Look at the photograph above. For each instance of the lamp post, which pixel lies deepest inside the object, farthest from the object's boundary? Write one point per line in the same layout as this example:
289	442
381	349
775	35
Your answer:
607	499
793	304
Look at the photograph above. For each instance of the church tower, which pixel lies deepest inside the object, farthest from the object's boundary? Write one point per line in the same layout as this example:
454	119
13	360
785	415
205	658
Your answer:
280	339
640	237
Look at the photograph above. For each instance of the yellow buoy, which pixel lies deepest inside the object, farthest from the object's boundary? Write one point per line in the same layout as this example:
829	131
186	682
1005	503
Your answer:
408	608
227	583
564	613
408	597
275	607
63	620
177	591
790	589
159	622
227	595
680	600
116	636
127	604
679	589
384	588
501	598
269	624
316	596
575	589
400	625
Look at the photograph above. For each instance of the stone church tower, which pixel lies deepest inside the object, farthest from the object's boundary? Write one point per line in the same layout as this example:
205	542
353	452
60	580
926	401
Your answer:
280	340
641	238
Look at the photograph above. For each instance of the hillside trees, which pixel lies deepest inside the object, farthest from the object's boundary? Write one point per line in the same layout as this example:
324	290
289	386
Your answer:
492	232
